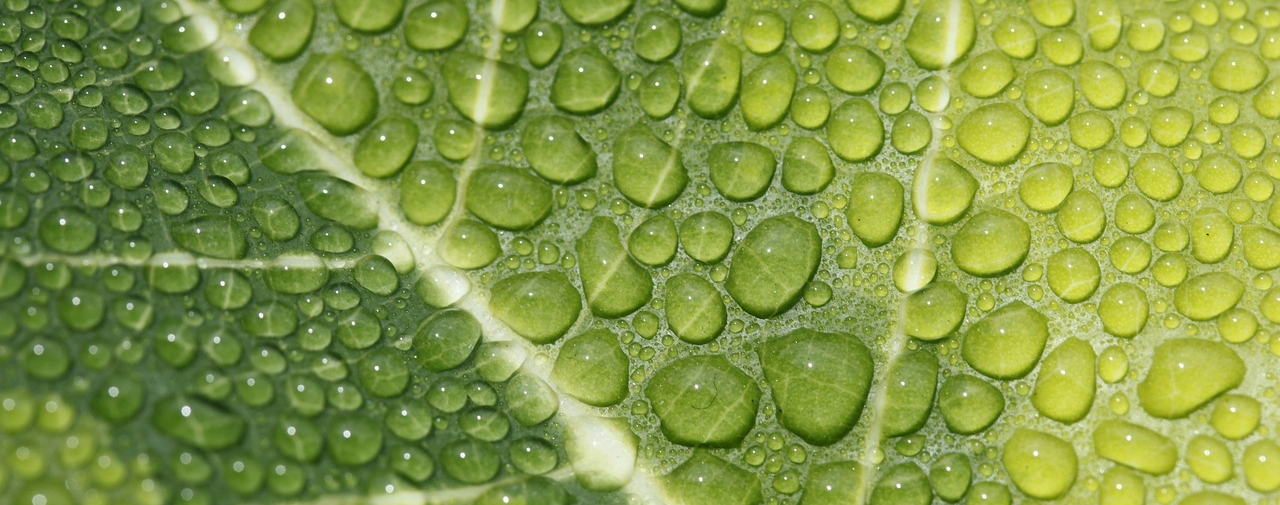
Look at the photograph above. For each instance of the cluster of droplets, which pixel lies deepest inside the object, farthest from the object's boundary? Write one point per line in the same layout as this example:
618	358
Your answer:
1059	162
777	241
194	308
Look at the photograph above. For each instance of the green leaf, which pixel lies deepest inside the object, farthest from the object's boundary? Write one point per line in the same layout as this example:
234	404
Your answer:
288	251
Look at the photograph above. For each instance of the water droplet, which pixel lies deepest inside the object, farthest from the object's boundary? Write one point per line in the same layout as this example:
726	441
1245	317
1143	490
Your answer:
540	306
1042	465
284	28
789	268
688	392
336	92
711	71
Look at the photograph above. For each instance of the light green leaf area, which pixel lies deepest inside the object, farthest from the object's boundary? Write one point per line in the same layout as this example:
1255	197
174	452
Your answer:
334	252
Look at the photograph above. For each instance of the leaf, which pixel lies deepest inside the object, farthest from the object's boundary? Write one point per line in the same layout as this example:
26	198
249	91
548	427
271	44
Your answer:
287	251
